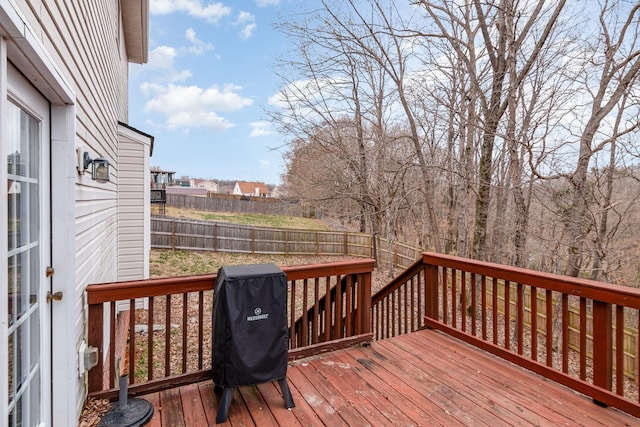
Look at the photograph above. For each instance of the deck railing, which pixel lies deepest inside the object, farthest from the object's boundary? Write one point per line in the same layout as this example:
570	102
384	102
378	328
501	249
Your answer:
163	336
523	317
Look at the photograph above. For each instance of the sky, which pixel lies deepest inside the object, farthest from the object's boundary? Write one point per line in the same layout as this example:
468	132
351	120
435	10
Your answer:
205	88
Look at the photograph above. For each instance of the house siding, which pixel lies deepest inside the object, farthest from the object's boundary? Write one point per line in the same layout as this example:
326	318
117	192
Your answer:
85	41
134	242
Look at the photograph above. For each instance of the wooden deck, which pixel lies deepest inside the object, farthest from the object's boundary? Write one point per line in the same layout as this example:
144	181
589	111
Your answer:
424	378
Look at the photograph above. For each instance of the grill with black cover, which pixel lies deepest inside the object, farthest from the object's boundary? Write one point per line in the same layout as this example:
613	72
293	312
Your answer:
250	330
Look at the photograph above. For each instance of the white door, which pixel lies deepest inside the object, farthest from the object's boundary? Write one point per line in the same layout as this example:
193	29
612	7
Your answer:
26	148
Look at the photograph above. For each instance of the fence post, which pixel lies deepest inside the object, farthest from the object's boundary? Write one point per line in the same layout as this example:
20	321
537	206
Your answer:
253	240
215	237
602	344
173	234
346	243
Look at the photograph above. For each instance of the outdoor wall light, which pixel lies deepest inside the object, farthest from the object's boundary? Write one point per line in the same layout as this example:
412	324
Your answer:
99	167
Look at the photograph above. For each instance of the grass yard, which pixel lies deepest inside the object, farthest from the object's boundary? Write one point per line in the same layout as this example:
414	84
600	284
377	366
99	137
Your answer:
258	220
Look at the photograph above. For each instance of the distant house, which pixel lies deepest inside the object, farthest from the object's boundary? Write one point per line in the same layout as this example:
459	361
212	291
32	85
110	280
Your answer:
245	188
209	185
161	179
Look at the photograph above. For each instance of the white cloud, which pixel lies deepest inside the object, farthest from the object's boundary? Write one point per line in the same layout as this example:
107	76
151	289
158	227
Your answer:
248	23
248	31
244	17
260	128
192	106
162	57
210	12
265	3
198	47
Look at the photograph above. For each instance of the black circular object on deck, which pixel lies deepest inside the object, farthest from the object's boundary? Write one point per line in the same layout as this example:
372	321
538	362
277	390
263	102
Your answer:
135	414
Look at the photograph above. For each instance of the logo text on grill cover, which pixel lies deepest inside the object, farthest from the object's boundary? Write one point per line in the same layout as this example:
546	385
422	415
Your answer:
257	315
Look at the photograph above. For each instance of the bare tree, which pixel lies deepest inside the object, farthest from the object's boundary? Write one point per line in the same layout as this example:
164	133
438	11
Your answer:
616	60
500	33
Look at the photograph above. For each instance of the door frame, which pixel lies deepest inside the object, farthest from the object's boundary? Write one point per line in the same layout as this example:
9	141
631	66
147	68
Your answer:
22	94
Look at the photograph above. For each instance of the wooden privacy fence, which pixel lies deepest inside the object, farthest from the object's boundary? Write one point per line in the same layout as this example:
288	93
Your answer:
187	234
233	203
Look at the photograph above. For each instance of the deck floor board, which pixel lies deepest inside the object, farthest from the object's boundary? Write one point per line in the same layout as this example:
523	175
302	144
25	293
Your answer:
421	379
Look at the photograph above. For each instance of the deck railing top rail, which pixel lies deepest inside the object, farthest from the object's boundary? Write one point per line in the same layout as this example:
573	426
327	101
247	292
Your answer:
133	289
605	292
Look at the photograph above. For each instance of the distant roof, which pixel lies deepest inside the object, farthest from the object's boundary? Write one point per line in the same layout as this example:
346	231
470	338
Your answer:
151	137
156	169
247	187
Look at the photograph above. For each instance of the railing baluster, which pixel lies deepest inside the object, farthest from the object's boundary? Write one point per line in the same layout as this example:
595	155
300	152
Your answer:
167	336
422	289
150	340
445	306
507	314
337	333
200	327
132	342
474	303
463	298
533	296
454	298
185	327
405	308
583	338
348	307
483	305
293	334
494	325
620	350
414	317
565	333
112	352
520	315
327	309
305	310
549	326
316	311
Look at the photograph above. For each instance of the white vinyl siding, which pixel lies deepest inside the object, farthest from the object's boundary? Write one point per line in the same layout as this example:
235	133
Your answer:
84	41
133	205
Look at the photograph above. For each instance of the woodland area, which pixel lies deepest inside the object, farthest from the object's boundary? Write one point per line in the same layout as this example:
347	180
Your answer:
501	130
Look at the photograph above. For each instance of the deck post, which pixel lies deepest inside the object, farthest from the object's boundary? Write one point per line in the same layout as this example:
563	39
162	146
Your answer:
96	338
602	344
431	291
364	304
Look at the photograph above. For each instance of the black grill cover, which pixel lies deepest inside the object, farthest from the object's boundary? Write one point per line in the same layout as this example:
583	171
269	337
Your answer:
250	330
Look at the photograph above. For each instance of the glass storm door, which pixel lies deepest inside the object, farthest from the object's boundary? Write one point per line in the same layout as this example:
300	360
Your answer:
26	152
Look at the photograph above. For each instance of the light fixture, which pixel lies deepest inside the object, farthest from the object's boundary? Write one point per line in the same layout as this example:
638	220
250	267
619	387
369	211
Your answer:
99	167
